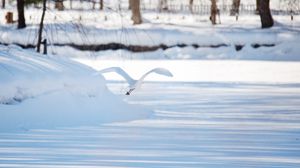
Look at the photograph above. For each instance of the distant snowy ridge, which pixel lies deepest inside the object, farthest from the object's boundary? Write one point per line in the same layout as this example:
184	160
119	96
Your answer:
38	91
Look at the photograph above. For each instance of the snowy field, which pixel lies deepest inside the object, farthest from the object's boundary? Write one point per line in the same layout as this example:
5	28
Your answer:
235	71
224	107
241	114
194	125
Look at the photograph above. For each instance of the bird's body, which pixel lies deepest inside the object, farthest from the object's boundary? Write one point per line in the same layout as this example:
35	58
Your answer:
134	84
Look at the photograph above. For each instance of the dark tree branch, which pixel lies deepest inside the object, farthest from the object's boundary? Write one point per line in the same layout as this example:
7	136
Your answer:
41	27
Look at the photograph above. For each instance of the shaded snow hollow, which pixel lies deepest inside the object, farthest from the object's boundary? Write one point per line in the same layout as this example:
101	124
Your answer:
38	91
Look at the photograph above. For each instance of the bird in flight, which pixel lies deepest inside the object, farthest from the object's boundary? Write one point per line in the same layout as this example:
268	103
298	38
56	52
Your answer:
134	84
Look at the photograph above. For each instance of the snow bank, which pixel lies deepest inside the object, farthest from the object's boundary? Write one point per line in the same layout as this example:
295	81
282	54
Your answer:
287	51
38	91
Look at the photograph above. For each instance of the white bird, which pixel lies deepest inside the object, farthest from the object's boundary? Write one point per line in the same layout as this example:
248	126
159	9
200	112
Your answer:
134	84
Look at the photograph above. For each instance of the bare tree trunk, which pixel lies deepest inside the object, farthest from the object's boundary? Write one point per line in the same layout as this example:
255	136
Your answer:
257	7
265	14
136	13
163	5
71	4
213	12
3	4
235	7
41	28
21	17
191	5
101	4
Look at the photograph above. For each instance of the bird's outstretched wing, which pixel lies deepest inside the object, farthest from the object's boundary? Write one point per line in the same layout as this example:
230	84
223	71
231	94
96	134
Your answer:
160	71
119	71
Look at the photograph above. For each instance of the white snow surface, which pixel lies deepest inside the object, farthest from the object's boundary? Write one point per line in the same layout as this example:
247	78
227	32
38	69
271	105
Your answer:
38	91
211	125
234	71
213	113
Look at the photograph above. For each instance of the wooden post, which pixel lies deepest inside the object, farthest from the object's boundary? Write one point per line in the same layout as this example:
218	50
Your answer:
45	46
9	18
219	15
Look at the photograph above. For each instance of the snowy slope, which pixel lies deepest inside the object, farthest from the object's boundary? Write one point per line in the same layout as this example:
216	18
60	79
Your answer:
39	91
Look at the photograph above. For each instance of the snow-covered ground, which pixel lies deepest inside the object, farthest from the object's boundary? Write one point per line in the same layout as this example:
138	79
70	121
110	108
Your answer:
219	109
194	125
229	114
38	91
270	72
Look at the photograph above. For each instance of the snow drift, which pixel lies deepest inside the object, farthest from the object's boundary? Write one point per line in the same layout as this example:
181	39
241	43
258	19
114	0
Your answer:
39	91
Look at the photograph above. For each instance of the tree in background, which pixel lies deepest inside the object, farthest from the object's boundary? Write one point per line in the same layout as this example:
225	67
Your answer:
265	14
235	7
59	4
101	4
163	5
135	10
213	12
71	4
35	2
191	2
129	6
257	7
41	30
292	6
3	4
21	17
